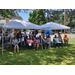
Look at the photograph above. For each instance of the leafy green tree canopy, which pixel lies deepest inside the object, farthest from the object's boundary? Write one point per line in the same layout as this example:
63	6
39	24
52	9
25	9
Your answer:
37	17
8	13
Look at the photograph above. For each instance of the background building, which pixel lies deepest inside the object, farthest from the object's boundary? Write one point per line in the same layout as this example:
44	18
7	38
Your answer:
6	20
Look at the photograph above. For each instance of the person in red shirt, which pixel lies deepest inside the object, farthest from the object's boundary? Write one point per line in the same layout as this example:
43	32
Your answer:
15	34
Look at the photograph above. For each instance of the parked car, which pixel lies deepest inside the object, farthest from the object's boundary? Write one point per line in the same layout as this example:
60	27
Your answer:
73	30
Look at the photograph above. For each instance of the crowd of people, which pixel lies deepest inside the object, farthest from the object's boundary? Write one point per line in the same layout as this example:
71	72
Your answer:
32	42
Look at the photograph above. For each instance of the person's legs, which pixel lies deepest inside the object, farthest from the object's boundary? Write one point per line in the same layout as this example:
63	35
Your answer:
37	45
19	44
0	42
57	44
66	42
28	46
10	39
17	48
47	45
34	46
43	44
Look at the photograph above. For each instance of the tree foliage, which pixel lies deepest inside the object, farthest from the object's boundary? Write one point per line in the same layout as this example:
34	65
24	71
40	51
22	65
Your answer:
57	15
8	13
37	17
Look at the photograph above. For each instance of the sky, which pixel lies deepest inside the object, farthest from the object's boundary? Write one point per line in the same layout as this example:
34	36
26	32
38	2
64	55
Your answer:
25	16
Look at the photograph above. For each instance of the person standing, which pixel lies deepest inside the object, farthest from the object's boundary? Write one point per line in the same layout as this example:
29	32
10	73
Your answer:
30	35
6	33
25	35
15	33
11	35
19	35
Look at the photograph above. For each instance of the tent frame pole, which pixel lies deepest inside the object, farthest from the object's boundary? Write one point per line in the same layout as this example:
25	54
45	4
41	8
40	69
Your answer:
70	36
2	41
41	40
50	39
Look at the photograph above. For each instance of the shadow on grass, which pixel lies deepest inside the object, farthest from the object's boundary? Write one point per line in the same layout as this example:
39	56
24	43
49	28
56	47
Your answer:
53	56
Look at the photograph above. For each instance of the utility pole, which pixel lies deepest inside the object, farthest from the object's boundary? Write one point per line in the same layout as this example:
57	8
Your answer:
64	21
50	15
47	15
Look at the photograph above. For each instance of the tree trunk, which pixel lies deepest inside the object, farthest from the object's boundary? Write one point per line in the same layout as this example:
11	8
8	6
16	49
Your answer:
47	15
50	14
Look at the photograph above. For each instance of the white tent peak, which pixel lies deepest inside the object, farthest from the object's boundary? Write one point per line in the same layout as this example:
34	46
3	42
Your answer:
54	26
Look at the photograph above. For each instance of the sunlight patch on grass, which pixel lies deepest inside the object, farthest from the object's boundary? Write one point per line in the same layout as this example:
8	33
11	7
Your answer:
11	53
43	62
22	54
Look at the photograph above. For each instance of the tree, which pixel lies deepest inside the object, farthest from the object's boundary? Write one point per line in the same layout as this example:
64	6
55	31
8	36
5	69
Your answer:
57	15
8	13
37	17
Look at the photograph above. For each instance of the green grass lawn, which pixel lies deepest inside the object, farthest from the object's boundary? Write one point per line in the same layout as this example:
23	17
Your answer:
54	56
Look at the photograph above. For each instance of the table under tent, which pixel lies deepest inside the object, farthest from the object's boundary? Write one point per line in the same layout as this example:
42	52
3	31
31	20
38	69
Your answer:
55	26
18	24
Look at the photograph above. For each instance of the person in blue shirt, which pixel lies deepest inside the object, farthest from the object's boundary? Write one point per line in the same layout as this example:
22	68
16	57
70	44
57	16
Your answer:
56	41
39	38
15	44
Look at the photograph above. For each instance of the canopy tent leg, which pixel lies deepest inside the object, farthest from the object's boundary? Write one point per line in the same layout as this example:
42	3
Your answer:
2	41
50	39
41	40
70	36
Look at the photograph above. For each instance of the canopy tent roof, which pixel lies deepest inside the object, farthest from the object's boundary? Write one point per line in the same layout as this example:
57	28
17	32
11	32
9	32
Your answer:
54	26
20	24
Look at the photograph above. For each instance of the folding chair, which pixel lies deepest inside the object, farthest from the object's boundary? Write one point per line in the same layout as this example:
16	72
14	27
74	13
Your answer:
6	42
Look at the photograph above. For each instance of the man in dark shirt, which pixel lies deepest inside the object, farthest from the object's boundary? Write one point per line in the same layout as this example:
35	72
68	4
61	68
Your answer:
19	35
6	33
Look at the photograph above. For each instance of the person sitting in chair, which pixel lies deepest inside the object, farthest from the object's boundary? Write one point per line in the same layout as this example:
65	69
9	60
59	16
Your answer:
30	43
66	40
36	43
39	38
15	44
44	43
60	39
56	41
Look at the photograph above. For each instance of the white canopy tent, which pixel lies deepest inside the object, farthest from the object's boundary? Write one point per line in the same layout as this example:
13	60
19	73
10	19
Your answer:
54	26
18	24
